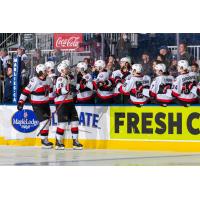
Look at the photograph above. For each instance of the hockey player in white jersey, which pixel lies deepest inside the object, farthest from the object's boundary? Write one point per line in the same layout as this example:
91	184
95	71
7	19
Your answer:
67	111
135	86
120	76
84	85
38	89
184	84
51	74
103	85
161	86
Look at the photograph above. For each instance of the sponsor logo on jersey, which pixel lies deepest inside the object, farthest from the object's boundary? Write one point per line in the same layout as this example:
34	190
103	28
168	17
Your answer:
25	121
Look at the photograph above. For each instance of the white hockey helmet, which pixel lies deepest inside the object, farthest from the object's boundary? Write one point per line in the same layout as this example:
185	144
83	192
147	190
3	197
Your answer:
41	68
103	76
126	60
66	62
137	68
183	64
50	65
82	66
61	67
161	67
100	64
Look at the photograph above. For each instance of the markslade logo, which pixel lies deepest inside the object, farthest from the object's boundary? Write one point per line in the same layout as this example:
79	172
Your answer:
171	123
25	121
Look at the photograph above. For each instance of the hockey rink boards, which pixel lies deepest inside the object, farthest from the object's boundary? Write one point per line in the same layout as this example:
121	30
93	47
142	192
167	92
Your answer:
111	135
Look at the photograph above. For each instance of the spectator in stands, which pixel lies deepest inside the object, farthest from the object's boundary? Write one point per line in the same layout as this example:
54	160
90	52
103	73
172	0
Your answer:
184	54
166	55
173	67
160	58
123	47
113	62
87	61
147	65
8	86
56	56
1	78
37	59
6	59
25	65
24	58
195	71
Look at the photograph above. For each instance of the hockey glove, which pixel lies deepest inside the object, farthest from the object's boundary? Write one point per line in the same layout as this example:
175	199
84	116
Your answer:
20	105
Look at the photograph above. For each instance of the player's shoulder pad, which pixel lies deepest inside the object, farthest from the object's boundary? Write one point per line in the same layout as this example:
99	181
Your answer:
116	72
33	80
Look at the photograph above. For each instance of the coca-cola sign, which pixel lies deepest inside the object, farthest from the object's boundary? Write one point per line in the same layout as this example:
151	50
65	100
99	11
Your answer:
68	41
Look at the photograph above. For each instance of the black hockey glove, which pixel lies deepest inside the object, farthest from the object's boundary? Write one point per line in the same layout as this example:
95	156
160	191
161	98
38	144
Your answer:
20	105
72	88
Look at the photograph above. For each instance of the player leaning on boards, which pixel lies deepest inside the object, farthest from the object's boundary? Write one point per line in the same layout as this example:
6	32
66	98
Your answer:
135	85
161	85
84	85
120	76
103	85
67	111
183	85
39	88
51	74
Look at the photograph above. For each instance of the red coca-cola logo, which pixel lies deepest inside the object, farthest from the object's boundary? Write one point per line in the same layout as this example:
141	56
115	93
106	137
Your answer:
69	41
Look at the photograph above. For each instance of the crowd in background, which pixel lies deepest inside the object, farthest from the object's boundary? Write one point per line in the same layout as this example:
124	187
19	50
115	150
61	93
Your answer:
122	49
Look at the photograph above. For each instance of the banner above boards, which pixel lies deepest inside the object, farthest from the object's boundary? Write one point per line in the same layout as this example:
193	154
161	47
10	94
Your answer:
155	123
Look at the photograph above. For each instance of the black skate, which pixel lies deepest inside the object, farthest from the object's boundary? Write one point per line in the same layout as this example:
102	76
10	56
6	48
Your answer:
77	145
59	145
46	144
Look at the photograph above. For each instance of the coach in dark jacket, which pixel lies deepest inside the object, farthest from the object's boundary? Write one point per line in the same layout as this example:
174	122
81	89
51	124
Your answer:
8	86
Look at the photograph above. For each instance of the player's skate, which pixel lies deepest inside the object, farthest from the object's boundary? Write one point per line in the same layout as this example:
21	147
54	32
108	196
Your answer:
59	145
77	145
46	144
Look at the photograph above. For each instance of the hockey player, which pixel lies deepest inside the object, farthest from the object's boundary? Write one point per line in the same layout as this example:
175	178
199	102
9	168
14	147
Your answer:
73	77
119	76
98	67
67	111
135	86
161	85
84	85
51	74
183	85
39	88
103	86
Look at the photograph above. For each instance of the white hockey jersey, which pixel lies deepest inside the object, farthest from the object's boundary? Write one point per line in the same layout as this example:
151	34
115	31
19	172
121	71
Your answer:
52	94
103	86
85	88
159	88
63	92
182	87
196	74
135	86
38	90
118	75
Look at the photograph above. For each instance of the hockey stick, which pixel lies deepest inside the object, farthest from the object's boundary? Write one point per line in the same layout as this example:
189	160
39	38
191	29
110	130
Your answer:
57	109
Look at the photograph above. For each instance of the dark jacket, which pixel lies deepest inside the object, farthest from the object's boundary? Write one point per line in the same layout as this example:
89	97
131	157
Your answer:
123	49
188	57
8	90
